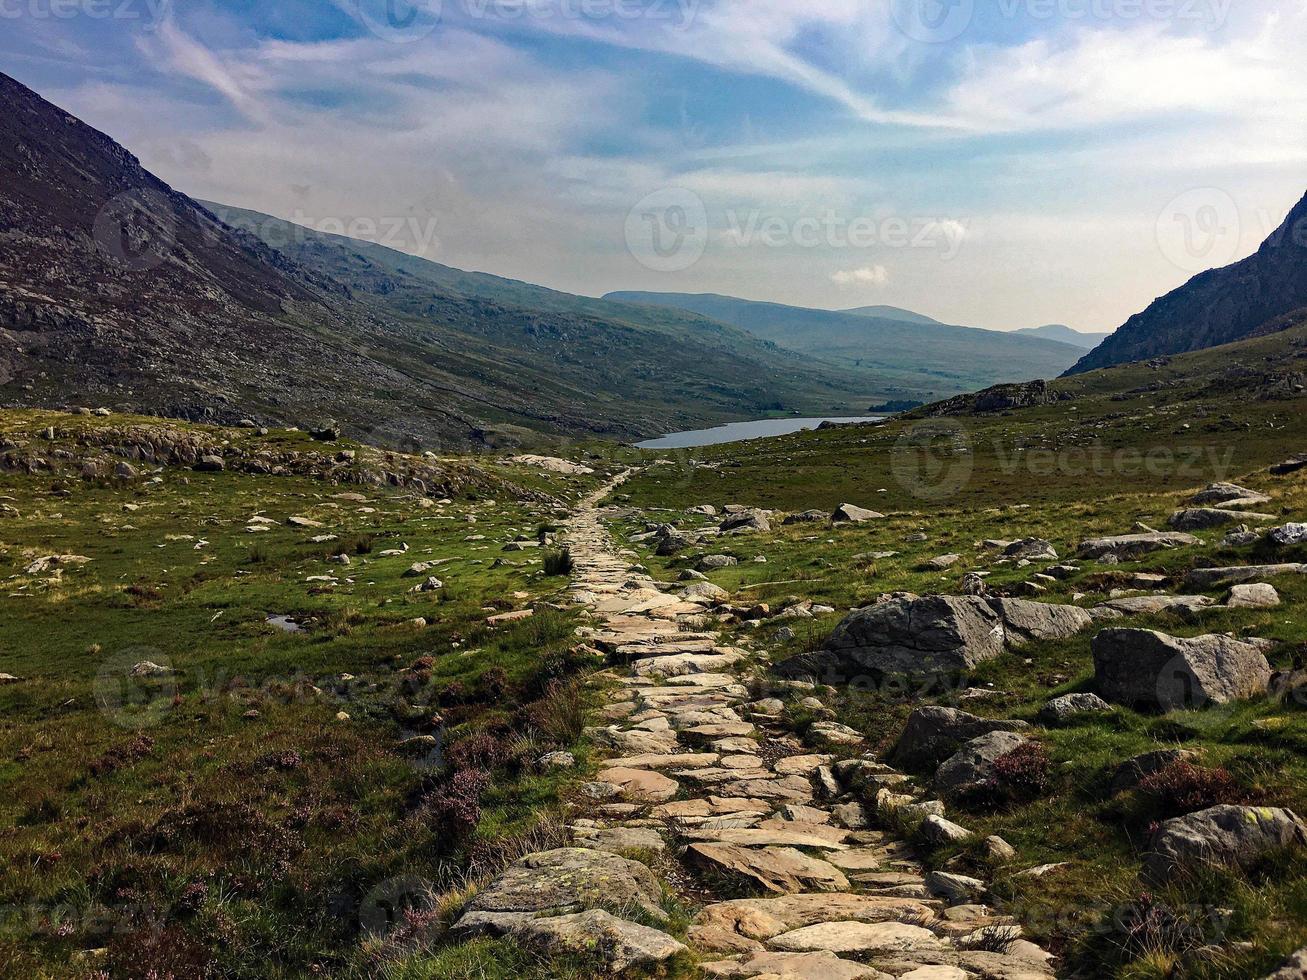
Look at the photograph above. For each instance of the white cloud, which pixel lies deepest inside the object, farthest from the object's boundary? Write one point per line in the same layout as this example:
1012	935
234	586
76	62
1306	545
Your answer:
869	275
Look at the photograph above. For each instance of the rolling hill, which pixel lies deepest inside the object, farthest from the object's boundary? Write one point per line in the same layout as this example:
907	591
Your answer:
117	290
933	359
1066	335
1218	306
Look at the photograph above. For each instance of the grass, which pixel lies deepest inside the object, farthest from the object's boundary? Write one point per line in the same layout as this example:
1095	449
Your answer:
222	820
1066	472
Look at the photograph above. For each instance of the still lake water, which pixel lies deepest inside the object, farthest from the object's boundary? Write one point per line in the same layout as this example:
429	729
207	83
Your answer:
740	431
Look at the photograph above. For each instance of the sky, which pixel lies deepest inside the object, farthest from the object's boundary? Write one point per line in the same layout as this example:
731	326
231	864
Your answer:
996	163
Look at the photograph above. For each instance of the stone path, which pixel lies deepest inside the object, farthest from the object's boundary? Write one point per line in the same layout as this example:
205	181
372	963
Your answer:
707	784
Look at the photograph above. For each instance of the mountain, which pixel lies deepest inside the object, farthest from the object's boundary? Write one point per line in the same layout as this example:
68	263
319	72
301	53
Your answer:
117	290
932	359
1220	305
892	313
1061	332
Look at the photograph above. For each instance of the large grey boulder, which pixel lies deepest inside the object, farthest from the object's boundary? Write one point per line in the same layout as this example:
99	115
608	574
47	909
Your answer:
933	733
1288	534
1031	549
1202	518
850	514
1025	621
562	881
1223	837
1211	578
973	765
807	517
749	520
1148	669
932	635
1129	546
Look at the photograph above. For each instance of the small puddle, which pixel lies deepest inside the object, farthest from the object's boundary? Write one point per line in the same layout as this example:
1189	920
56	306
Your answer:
434	758
285	624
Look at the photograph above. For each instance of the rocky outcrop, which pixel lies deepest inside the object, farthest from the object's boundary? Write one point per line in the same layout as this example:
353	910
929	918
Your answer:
973	765
1060	710
933	733
1223	837
1203	518
1152	670
1127	547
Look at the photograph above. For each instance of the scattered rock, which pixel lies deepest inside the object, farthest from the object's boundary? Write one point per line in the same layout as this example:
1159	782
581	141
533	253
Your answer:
556	760
933	733
709	563
942	832
1255	596
749	520
1202	518
973	765
862	938
1031	549
1127	547
1061	709
1134	771
1223	836
1148	669
851	514
1288	534
783	870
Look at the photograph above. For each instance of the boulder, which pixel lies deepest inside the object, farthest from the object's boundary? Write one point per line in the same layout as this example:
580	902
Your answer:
1202	518
1148	669
852	514
1031	549
1148	605
1062	709
782	870
1134	771
973	764
824	965
1291	465
1288	534
1258	595
1225	493
1127	547
806	517
1025	621
749	520
859	938
933	733
566	880
941	832
710	563
1223	836
941	562
955	889
1294	968
210	464
622	946
1211	578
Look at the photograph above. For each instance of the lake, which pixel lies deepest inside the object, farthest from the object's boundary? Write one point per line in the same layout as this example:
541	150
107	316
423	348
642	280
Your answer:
740	431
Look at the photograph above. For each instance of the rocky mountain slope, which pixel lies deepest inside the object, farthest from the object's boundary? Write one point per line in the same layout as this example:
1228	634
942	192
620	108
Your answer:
116	289
1218	306
928	360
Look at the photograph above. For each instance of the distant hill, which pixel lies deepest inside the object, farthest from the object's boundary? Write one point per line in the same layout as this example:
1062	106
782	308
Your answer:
936	358
1061	332
1218	306
117	290
892	313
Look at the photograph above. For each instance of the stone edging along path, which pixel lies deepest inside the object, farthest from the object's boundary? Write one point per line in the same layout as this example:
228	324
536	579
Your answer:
705	780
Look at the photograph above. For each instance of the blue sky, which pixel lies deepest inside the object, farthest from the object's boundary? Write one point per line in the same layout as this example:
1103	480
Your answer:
1001	163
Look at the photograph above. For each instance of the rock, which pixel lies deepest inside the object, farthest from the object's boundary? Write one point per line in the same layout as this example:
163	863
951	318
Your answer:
792	966
973	764
835	733
1141	605
704	510
1210	578
672	542
552	464
1255	596
1220	493
863	938
783	870
851	816
705	590
1294	968
1202	518
709	563
210	464
1026	622
806	517
749	520
851	514
1288	534
9	679
620	840
999	850
566	880
933	733
1127	547
956	889
1223	836
941	562
942	832
640	785
419	568
1061	709
1291	465
1031	549
973	583
556	760
622	946
1148	669
1132	772
148	668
